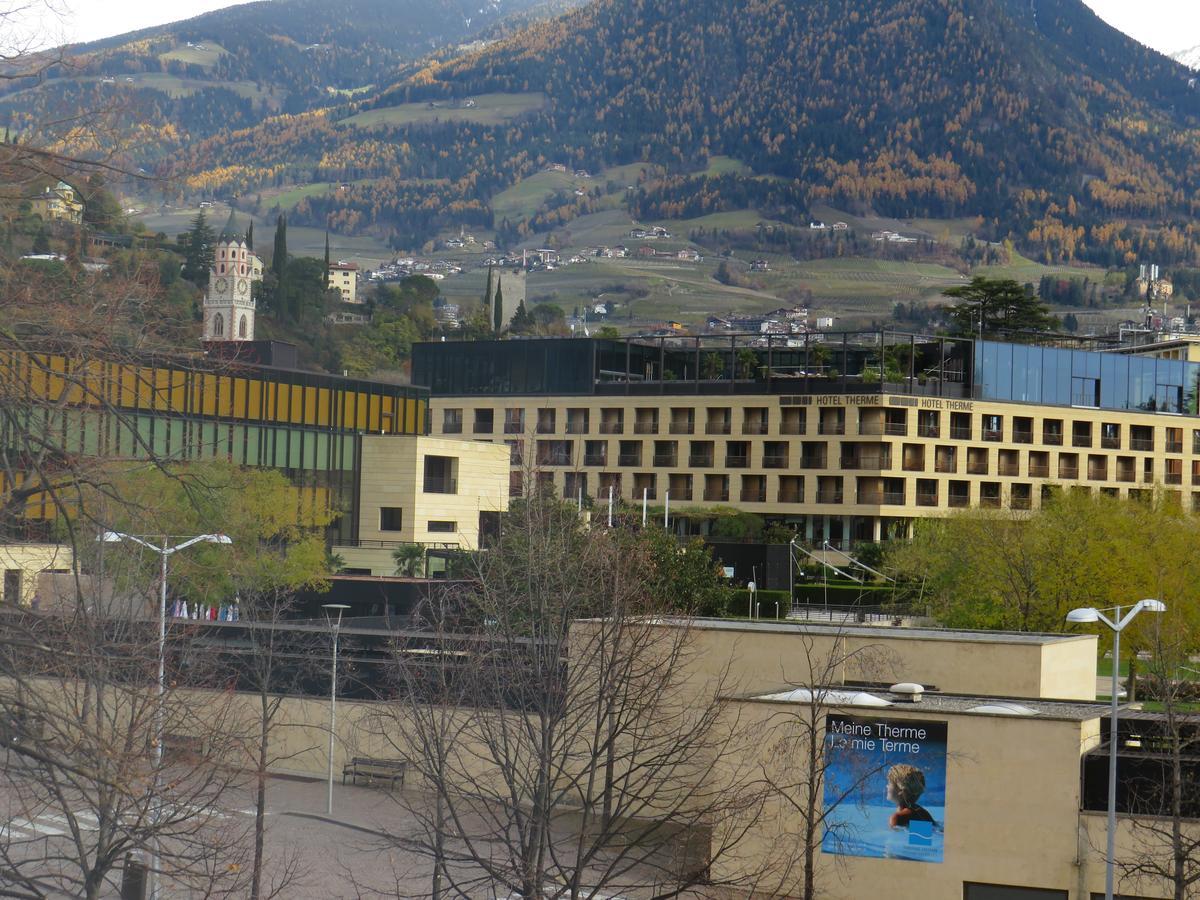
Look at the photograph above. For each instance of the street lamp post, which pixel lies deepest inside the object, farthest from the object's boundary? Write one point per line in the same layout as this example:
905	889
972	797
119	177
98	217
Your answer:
1117	623
164	552
335	626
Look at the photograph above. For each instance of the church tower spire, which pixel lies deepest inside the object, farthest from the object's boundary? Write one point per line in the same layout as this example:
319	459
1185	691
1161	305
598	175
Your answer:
228	303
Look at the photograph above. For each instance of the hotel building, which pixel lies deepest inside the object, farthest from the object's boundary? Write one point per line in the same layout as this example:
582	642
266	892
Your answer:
847	437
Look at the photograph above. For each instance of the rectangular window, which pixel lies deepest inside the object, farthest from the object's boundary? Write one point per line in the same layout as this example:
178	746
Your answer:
440	475
1009	892
391	518
484	421
514	421
442	527
516	453
452	421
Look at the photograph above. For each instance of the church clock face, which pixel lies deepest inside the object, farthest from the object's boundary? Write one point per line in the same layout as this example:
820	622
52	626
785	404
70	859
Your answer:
222	285
241	285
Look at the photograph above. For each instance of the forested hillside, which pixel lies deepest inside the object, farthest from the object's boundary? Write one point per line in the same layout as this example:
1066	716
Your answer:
1039	117
169	86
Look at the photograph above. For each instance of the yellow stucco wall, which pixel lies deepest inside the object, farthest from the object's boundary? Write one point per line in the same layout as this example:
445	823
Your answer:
31	560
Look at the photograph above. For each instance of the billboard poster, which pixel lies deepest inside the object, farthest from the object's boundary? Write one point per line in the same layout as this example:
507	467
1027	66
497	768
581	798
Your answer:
885	788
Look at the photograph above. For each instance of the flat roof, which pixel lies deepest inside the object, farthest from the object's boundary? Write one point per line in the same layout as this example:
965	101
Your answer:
857	700
896	631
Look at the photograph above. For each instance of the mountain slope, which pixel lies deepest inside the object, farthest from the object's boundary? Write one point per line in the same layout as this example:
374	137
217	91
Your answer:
176	83
1189	58
1041	117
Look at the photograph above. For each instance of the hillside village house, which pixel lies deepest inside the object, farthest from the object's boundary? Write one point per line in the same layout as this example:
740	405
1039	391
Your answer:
343	277
60	203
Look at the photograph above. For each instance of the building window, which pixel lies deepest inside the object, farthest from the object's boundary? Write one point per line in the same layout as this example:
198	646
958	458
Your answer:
439	475
484	421
514	421
442	527
218	325
391	518
242	327
546	421
451	421
516	453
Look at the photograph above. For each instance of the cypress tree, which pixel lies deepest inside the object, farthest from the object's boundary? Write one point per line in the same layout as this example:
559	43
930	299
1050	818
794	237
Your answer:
279	259
498	307
250	236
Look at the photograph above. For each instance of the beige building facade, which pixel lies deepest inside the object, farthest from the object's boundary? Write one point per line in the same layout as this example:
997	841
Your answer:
841	465
437	492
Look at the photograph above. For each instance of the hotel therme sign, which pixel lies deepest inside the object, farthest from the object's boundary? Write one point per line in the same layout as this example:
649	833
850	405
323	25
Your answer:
878	400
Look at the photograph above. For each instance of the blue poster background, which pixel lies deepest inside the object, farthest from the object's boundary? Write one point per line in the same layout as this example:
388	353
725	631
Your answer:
860	818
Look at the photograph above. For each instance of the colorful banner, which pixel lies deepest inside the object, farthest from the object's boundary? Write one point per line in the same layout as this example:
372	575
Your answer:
885	788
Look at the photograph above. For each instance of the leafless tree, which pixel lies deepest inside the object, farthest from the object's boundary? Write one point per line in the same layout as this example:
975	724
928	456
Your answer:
1162	787
83	784
562	740
272	663
801	753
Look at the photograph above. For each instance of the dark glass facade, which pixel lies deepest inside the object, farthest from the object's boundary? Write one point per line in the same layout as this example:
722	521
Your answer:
1060	377
551	366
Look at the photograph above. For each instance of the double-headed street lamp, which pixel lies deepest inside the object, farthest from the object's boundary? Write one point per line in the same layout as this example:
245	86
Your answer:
335	626
1087	615
165	551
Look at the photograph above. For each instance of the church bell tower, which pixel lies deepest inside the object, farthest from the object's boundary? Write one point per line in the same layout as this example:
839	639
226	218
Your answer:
228	304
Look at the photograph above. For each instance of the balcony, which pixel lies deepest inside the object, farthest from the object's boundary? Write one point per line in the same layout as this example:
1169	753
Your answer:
831	428
866	462
682	428
1097	473
1021	502
717	428
829	496
440	486
925	498
682	494
774	461
1052	438
755	428
649	492
1141	443
813	462
716	495
514	427
989	501
977	467
645	427
1081	440
700	460
1022	436
1111	442
958	501
666	459
790	495
960	432
753	495
577	427
737	461
893	498
1066	470
629	459
993	434
1039	470
1008	468
452	428
595	459
945	465
929	431
786	427
1127	475
611	427
1173	478
1174	446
